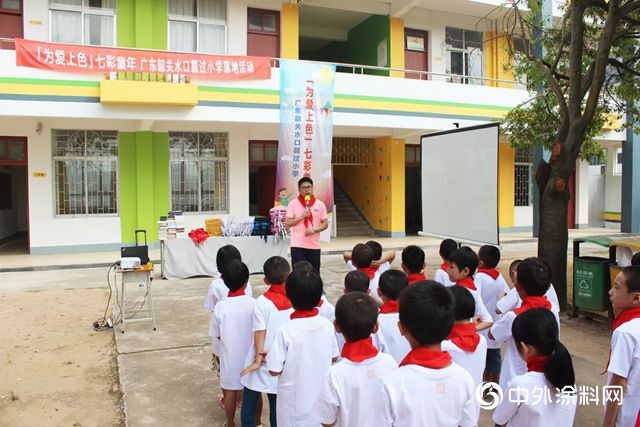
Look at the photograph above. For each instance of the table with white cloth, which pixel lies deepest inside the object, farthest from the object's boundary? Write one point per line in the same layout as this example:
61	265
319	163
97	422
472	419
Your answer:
182	258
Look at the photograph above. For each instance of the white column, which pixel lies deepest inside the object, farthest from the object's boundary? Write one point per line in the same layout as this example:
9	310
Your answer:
582	194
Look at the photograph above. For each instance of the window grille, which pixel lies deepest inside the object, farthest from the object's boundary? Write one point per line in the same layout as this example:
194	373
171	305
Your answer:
351	151
199	171
523	177
86	172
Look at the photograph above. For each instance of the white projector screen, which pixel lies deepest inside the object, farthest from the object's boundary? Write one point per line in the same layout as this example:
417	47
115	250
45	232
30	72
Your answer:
460	184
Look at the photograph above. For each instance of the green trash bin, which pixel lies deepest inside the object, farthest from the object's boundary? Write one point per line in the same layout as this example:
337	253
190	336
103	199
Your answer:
591	279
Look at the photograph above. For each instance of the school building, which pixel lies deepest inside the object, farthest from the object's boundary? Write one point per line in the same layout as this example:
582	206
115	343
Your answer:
86	159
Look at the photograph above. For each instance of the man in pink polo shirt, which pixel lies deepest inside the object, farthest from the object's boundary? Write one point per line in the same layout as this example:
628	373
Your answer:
306	218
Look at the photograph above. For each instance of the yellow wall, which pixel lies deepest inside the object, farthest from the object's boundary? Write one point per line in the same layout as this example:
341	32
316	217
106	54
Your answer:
378	189
396	46
496	56
290	33
506	185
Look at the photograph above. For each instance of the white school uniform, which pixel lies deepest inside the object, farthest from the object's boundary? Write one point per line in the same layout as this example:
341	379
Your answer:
382	268
327	310
415	396
232	323
302	351
389	338
265	317
481	310
512	364
625	362
349	389
472	362
217	292
490	291
530	400
442	277
512	300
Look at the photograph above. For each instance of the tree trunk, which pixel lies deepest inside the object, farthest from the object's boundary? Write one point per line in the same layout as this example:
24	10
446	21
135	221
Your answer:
554	235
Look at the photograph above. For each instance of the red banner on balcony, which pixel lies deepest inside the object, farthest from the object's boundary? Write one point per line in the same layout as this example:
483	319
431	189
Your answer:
92	59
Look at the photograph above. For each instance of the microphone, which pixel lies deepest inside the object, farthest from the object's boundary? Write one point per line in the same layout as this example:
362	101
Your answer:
307	199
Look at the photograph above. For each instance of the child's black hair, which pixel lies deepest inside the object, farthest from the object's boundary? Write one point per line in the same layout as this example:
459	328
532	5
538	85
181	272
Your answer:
304	289
447	247
226	254
463	258
276	269
356	315
426	311
635	260
465	304
413	259
514	265
376	248
632	278
361	256
356	281
489	255
392	283
538	327
534	276
303	265
235	274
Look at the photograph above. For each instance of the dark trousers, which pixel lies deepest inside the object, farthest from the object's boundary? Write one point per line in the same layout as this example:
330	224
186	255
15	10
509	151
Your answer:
250	406
303	254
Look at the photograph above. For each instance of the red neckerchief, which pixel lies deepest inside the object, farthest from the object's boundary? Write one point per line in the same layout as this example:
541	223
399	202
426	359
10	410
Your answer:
307	219
417	277
537	363
427	358
492	272
278	296
360	350
467	282
369	271
444	266
391	306
533	302
237	293
465	337
622	318
300	314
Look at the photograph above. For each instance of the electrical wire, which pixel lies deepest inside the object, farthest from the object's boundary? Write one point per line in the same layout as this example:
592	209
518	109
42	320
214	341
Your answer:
101	325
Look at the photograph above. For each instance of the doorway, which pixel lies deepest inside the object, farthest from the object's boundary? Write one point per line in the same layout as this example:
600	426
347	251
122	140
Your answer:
413	190
14	205
263	33
416	53
263	157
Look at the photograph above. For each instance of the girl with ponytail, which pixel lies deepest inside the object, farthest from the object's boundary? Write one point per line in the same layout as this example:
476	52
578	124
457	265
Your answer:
546	394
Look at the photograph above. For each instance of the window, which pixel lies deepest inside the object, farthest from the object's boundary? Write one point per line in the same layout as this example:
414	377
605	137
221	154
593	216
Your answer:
199	171
412	155
617	167
523	177
11	5
464	55
89	22
85	164
198	25
263	153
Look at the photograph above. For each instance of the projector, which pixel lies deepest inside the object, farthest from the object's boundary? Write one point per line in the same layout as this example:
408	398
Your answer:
129	263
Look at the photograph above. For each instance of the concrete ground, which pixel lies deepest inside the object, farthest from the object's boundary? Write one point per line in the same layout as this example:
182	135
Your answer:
165	374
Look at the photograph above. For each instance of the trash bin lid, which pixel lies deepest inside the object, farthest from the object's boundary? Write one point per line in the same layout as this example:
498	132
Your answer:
603	241
631	242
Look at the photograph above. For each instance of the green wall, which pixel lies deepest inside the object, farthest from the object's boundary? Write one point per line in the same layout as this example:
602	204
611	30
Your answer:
144	182
143	24
362	45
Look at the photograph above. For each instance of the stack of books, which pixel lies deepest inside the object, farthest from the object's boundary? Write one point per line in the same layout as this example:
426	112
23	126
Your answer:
175	226
162	228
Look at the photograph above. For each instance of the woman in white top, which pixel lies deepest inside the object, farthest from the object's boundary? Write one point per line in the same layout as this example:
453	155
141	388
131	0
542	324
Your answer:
546	394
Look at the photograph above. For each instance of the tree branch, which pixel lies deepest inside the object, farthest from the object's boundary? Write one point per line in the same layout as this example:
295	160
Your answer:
629	7
575	58
562	39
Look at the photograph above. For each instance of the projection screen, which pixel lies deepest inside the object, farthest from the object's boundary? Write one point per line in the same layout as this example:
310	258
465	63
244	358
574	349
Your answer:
460	184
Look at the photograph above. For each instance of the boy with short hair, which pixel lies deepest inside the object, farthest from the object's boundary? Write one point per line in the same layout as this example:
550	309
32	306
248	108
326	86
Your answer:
447	247
362	257
231	324
350	385
356	281
302	351
413	263
381	260
533	279
467	348
272	309
623	367
428	389
389	339
511	299
492	287
462	266
326	308
635	259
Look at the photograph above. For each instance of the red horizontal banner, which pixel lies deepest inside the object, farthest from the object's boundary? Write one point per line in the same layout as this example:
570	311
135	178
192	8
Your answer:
92	59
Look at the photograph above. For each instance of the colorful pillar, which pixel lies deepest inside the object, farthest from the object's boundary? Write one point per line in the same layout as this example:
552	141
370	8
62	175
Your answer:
396	46
506	186
631	183
497	56
290	31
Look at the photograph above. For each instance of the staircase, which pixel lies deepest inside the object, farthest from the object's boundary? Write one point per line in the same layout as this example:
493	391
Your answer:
350	221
